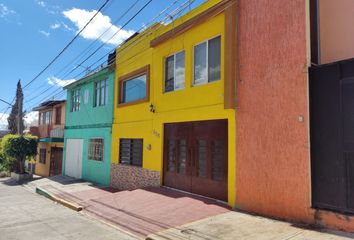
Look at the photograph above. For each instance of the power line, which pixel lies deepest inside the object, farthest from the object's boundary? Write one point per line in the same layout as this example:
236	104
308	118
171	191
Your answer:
175	12
83	53
102	44
140	37
6	102
67	46
54	92
140	10
60	53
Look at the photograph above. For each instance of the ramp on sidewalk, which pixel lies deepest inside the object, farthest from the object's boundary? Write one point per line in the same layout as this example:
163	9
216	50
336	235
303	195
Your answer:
141	211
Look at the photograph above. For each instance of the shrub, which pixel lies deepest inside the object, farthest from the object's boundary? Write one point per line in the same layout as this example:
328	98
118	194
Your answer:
16	149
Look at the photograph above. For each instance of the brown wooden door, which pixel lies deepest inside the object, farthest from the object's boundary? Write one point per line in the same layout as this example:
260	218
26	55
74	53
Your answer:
56	159
195	157
177	155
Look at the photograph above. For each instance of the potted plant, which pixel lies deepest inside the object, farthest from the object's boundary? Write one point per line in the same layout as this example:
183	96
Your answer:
17	149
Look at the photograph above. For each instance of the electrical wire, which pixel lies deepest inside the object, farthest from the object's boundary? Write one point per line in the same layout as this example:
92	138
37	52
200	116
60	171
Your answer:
60	53
80	64
179	11
66	47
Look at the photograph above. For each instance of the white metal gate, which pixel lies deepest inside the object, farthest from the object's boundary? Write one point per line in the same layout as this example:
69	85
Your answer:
73	159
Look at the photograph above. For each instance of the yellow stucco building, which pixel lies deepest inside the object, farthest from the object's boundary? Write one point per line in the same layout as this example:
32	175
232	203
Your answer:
50	132
174	116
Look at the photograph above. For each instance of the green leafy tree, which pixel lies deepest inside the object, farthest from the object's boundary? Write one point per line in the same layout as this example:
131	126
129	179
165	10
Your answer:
12	119
17	149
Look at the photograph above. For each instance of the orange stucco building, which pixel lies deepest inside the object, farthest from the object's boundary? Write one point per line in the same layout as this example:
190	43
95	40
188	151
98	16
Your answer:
273	147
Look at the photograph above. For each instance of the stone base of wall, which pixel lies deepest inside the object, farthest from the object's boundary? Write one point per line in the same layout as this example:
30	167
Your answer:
125	177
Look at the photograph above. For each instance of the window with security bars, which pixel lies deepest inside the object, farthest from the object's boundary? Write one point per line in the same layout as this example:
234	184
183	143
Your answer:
101	93
131	152
96	148
75	100
42	155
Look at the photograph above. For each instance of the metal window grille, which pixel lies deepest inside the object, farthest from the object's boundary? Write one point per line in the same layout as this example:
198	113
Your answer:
75	100
96	148
131	152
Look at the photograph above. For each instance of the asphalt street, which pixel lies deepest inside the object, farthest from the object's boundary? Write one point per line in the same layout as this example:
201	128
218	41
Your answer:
26	215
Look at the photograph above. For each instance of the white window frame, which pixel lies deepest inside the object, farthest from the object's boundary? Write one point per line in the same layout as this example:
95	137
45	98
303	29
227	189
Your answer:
103	99
207	60
174	72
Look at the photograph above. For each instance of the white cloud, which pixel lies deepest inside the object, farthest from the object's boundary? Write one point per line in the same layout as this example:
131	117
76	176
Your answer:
60	25
3	121
31	119
67	27
44	33
97	26
59	82
41	3
50	9
4	11
55	26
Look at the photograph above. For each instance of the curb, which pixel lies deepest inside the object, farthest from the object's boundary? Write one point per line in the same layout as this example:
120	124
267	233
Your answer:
92	216
63	202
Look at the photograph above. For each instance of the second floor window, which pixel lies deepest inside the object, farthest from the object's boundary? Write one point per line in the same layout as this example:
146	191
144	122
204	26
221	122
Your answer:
101	93
58	115
45	117
134	89
207	58
75	100
174	72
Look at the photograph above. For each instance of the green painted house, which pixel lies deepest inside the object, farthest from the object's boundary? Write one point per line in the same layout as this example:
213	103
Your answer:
88	130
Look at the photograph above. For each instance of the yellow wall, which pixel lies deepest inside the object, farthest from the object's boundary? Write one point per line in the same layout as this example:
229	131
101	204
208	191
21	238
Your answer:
43	169
193	103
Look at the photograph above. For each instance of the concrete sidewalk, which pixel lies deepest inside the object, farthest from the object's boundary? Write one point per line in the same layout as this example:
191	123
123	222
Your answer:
141	212
162	213
235	225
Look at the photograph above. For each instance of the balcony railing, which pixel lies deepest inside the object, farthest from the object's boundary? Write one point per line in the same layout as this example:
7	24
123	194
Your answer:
57	132
48	131
44	130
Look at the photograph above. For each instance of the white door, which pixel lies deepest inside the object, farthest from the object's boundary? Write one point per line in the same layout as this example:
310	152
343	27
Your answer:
73	162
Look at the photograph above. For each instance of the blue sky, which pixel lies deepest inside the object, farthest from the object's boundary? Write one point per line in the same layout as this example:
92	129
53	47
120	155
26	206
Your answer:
33	32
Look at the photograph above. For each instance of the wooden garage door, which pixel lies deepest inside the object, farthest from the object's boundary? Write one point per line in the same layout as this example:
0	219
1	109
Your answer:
195	157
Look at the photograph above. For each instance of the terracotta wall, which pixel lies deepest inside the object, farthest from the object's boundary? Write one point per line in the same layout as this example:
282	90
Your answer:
272	164
336	31
273	175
